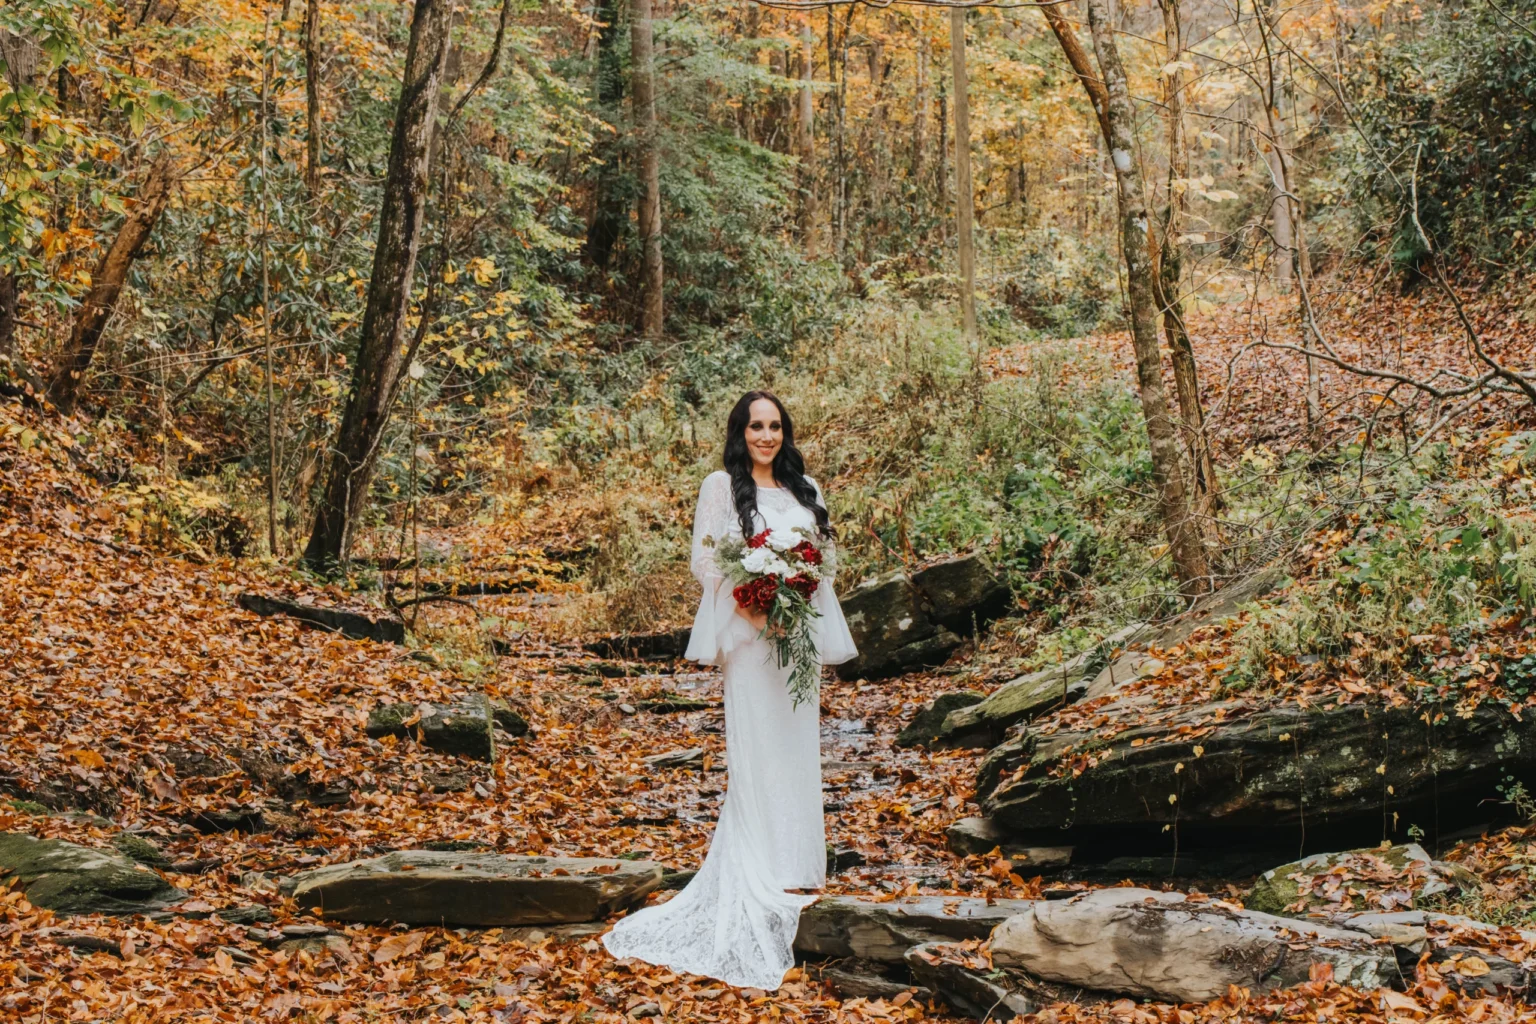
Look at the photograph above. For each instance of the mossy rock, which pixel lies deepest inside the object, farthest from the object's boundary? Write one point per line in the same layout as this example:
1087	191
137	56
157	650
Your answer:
71	879
926	724
508	720
464	729
140	849
30	807
1276	892
983	723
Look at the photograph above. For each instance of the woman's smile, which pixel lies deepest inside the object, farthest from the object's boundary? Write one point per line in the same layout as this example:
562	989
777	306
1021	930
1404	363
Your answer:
765	432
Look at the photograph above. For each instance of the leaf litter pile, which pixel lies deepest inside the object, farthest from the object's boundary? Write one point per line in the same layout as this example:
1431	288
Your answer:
144	706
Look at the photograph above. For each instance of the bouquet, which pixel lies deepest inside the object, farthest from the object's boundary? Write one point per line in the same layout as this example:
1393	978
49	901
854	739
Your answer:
775	573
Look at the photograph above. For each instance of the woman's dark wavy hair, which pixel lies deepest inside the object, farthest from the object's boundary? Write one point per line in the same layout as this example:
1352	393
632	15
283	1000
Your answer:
788	465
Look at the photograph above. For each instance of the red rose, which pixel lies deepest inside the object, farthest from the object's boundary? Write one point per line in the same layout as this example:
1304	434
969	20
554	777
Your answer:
759	540
758	594
809	553
802	583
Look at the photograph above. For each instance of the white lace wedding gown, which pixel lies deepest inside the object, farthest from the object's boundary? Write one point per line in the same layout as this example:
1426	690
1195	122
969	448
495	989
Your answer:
734	921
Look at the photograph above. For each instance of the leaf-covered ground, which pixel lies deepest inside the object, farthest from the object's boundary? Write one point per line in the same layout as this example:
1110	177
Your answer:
138	697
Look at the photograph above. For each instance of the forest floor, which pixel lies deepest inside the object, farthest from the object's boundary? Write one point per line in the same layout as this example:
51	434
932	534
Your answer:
132	684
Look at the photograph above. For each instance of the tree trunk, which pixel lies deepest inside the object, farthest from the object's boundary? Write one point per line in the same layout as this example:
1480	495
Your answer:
1170	282
920	114
643	86
383	351
10	304
312	148
941	183
1191	562
1081	67
807	147
609	204
107	283
965	193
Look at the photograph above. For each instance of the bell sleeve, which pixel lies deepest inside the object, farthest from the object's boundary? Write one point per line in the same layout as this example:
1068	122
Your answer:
834	643
717	629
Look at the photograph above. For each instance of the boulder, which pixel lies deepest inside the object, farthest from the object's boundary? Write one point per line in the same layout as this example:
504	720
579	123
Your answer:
70	879
926	724
847	926
1158	945
985	723
892	627
481	890
1405	869
466	729
963	593
1211	772
979	836
900	622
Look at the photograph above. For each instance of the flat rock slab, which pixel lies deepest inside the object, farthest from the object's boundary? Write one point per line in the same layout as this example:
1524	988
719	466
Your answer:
847	926
1158	945
1330	773
354	625
985	722
466	729
71	879
480	890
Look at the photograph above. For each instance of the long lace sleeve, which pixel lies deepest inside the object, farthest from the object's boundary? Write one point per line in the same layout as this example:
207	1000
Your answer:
717	629
834	643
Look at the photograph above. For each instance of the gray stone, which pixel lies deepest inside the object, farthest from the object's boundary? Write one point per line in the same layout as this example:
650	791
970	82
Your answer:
985	723
1276	892
847	926
1478	973
1127	668
963	593
855	979
892	628
926	724
1409	929
354	625
968	990
140	849
70	879
1158	945
465	729
1271	776
474	889
980	836
507	719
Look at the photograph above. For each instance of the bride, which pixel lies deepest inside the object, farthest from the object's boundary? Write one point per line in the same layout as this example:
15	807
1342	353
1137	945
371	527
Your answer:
735	921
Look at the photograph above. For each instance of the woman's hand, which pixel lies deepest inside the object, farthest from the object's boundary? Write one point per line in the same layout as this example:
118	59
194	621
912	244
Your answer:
759	620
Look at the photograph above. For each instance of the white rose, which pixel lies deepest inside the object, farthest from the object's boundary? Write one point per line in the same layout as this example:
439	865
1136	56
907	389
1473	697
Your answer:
783	540
758	559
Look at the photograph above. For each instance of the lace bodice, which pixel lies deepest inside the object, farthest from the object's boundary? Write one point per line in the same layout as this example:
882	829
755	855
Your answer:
717	629
777	509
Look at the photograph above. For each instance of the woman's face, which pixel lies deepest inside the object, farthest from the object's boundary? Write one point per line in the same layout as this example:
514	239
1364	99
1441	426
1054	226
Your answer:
765	432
